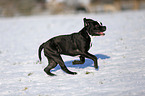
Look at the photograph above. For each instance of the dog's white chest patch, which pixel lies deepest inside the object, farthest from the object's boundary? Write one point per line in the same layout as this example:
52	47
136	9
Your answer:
91	40
91	37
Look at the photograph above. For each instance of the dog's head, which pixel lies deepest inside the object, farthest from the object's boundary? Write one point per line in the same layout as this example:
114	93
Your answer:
94	28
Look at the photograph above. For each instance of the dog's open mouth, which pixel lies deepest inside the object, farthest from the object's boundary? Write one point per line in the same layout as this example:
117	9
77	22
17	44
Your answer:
100	33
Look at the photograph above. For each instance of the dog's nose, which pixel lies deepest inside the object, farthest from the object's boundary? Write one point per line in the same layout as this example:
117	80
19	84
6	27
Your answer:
104	28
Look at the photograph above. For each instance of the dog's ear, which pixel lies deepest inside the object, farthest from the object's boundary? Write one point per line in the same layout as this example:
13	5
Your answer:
86	23
84	19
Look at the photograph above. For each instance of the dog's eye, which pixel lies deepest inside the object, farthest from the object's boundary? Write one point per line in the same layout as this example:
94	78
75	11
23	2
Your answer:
96	25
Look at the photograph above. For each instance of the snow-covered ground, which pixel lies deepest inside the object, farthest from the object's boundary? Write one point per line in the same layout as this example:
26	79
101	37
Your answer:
121	54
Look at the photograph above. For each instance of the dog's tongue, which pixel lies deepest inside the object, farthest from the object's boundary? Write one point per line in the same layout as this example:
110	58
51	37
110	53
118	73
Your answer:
101	33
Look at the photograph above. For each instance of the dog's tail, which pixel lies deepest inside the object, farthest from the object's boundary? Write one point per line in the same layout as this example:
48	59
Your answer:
39	51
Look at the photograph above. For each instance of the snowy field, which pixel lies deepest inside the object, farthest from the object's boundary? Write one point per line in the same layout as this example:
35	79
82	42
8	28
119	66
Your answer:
121	54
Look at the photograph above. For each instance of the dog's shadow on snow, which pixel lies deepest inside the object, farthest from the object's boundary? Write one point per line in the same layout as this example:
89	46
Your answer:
88	62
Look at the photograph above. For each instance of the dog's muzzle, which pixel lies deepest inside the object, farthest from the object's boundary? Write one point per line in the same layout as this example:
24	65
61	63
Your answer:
103	28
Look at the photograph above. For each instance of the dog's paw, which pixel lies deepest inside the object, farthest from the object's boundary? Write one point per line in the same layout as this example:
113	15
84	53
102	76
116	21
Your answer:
75	62
74	73
97	68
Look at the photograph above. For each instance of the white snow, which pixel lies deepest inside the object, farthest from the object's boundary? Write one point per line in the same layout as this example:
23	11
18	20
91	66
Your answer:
121	54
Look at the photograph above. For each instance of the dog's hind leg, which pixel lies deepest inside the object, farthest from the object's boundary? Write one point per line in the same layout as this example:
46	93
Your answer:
52	64
59	60
82	61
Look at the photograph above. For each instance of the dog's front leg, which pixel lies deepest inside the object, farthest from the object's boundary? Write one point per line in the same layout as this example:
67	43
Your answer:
82	61
94	58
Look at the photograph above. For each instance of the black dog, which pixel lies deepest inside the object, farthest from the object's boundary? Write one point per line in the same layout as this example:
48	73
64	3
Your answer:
76	44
